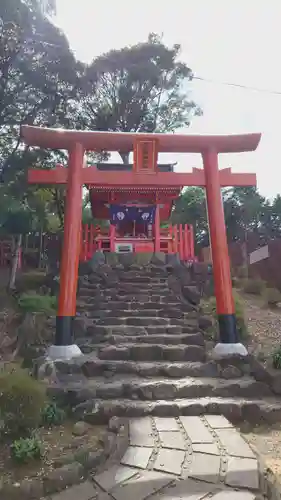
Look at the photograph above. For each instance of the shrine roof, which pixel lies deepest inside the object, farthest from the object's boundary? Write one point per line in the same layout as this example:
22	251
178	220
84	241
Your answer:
124	142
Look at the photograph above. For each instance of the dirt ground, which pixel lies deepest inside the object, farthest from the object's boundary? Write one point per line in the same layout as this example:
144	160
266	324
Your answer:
264	327
60	447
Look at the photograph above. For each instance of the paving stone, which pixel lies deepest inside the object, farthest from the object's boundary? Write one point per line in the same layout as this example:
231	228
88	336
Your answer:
113	476
209	448
234	444
174	440
141	432
137	456
141	486
170	461
243	473
234	495
185	490
205	467
84	491
166	424
218	422
196	430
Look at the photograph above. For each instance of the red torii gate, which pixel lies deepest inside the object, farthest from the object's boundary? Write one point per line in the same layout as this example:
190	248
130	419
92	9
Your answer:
146	148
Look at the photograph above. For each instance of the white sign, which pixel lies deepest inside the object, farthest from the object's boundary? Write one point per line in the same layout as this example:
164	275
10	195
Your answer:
259	254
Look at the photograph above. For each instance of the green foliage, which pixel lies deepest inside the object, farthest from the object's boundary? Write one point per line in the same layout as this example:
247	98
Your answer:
239	312
37	303
52	414
142	88
272	297
22	399
276	359
190	208
253	286
242	272
246	211
25	450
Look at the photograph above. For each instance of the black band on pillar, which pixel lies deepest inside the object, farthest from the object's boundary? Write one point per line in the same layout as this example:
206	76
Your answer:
64	330
228	329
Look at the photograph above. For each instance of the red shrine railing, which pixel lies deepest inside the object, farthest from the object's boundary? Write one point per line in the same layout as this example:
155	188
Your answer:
177	239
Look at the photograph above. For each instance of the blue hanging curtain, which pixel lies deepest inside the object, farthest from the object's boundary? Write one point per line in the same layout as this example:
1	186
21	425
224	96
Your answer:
122	213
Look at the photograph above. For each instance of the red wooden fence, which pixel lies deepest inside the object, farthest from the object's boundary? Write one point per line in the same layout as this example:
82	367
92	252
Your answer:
174	239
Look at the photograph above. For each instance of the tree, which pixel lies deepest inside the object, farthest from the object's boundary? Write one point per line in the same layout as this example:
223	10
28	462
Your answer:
190	208
38	76
246	212
143	88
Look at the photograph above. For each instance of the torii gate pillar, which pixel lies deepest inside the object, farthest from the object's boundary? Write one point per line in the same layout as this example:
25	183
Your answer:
64	346
229	343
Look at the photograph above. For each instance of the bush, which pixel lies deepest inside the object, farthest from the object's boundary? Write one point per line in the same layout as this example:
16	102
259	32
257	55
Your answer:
52	414
276	359
242	272
31	302
22	399
254	286
272	297
239	311
24	450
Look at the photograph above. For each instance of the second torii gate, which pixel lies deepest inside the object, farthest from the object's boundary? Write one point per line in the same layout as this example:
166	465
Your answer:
145	173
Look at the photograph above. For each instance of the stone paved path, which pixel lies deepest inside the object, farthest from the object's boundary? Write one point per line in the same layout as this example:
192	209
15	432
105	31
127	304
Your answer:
185	458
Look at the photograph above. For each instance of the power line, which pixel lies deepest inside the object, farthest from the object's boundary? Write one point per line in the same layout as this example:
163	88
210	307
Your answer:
238	85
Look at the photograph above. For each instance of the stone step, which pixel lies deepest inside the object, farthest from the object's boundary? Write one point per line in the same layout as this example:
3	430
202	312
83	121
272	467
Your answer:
152	352
167	313
126	287
188	339
90	366
139	321
164	297
255	411
104	305
80	390
95	329
142	279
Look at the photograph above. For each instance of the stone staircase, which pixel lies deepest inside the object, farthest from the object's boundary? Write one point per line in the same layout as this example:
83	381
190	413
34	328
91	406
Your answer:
145	352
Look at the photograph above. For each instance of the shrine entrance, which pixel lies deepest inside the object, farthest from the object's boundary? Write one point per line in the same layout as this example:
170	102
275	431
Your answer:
144	175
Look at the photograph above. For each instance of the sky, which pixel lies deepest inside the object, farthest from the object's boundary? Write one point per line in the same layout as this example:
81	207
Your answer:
235	41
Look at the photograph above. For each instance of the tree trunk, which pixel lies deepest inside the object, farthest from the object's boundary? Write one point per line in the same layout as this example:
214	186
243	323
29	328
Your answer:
14	263
244	250
40	249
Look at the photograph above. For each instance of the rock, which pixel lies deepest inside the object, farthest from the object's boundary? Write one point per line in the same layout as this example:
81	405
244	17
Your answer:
61	478
158	258
114	424
143	258
92	459
28	489
96	261
276	383
80	326
191	294
173	261
111	258
230	372
127	259
65	459
205	322
80	428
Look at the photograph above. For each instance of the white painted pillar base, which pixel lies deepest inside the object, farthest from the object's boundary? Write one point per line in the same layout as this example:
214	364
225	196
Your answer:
227	350
63	352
